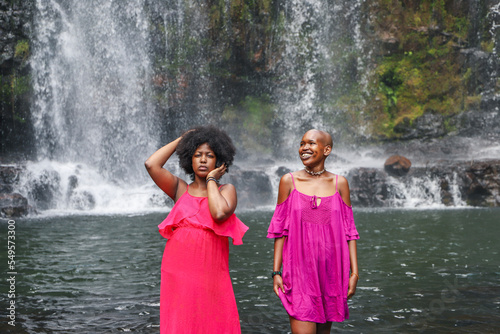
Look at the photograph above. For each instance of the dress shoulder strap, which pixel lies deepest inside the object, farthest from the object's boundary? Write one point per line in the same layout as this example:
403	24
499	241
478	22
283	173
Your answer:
293	180
336	181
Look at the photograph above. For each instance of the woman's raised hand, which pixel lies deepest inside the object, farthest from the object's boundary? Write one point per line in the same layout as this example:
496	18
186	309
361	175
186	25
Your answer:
218	172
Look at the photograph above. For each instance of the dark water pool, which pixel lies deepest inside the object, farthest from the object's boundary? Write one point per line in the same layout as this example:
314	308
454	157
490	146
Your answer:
435	271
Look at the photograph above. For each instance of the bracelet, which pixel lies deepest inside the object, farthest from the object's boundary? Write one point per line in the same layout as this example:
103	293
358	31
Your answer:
275	273
211	178
355	274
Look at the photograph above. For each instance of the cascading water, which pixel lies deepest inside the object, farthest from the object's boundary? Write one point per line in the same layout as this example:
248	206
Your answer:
423	192
92	72
189	94
92	111
494	16
322	58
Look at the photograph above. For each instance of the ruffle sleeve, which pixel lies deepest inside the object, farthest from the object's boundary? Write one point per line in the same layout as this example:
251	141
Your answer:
350	230
177	217
279	223
183	215
233	227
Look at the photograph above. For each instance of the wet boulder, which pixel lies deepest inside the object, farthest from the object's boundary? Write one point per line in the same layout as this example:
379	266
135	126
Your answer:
282	170
369	187
13	205
397	165
44	188
254	187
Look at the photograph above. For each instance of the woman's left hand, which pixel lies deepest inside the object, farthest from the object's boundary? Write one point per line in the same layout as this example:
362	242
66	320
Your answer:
218	172
353	282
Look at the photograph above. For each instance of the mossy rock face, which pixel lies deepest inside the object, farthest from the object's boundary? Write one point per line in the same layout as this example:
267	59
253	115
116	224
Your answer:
427	63
15	80
424	127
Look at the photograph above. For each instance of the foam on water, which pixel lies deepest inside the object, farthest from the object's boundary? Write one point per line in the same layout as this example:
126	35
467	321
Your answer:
71	188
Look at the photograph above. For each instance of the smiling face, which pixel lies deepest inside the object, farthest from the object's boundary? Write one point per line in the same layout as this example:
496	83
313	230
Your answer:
314	147
203	160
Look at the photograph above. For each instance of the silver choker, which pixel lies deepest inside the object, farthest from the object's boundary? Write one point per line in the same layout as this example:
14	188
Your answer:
310	172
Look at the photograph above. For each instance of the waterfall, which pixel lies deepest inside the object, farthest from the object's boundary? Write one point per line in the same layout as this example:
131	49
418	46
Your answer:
189	91
494	16
321	60
92	71
424	192
94	120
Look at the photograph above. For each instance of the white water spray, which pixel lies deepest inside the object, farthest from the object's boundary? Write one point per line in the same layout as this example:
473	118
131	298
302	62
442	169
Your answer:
320	39
93	117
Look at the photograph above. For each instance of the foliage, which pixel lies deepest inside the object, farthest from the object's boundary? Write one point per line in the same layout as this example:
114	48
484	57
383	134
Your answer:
12	88
252	120
22	49
488	46
423	74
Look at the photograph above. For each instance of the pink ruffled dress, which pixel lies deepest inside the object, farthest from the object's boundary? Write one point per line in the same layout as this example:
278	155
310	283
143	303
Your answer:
316	261
196	294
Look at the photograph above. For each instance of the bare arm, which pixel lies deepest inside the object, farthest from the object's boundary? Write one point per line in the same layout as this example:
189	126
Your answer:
285	188
221	203
343	187
353	256
278	260
165	180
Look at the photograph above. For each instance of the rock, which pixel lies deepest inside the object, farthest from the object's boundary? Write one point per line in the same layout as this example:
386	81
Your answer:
368	187
13	205
254	187
481	183
44	188
490	102
447	182
9	175
397	165
82	200
282	171
429	125
482	65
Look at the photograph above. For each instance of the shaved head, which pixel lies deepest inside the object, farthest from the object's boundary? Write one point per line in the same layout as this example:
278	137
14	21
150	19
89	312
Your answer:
325	137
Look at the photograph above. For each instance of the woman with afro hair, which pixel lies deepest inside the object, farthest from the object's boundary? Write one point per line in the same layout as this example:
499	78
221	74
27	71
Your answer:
196	294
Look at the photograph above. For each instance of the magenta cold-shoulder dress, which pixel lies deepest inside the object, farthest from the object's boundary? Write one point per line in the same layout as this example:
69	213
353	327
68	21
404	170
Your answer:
316	261
196	294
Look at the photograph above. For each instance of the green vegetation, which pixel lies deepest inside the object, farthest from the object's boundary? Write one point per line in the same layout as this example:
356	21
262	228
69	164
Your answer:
14	86
423	74
252	119
22	50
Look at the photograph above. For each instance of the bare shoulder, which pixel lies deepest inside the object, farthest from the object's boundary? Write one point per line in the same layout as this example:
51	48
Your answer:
286	179
344	191
342	181
228	187
285	187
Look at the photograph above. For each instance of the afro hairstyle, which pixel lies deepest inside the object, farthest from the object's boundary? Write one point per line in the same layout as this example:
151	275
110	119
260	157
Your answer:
217	139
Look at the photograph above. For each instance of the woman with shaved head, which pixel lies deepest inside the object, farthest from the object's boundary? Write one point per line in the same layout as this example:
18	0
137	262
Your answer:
315	268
